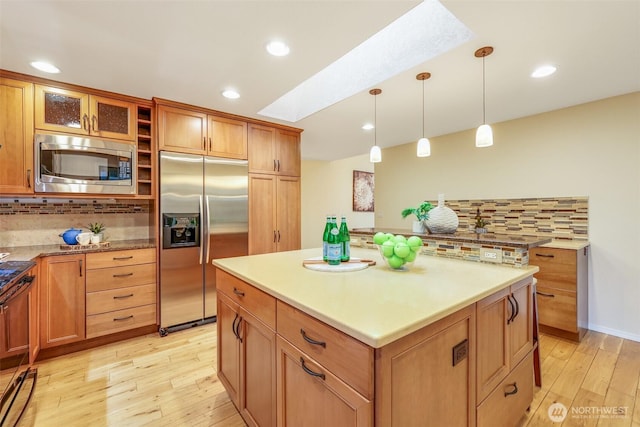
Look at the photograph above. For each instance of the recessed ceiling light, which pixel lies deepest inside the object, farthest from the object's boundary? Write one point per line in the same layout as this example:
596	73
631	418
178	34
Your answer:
45	66
367	126
543	71
231	94
278	48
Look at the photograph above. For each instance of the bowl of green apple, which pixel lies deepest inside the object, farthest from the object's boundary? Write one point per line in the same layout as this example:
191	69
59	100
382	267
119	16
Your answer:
397	251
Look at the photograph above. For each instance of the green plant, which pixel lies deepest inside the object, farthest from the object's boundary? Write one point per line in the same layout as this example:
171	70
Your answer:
96	227
421	212
480	222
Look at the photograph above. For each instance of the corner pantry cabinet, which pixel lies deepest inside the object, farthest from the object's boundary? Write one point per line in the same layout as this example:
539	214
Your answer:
63	110
16	137
274	213
196	132
274	151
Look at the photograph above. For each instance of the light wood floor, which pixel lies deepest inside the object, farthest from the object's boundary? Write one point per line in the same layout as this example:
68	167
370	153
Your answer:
171	381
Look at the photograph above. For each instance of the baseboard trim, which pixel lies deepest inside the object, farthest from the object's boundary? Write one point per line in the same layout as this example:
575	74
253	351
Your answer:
614	332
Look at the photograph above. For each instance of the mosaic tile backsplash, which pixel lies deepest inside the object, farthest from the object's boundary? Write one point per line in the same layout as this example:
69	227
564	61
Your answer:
561	218
26	223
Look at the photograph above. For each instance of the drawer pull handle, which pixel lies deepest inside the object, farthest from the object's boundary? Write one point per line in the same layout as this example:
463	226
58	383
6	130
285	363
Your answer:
117	319
545	295
310	372
238	292
122	296
513	309
515	300
545	255
514	391
123	275
122	258
233	326
311	340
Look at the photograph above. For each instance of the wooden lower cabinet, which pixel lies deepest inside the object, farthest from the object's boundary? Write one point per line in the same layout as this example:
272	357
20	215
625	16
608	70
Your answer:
441	375
62	300
246	350
310	395
34	316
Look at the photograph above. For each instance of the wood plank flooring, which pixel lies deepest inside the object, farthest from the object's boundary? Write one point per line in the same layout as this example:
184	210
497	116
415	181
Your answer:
171	381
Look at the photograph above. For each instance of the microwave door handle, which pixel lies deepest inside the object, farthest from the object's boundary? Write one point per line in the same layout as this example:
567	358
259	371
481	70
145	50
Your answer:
207	236
202	227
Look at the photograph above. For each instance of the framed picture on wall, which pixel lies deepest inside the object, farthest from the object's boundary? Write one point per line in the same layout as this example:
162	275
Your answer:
363	191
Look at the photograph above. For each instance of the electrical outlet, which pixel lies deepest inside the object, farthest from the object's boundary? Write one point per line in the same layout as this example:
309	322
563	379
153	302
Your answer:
460	352
491	255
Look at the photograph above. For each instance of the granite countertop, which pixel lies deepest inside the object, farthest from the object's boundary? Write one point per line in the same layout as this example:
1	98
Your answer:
468	237
375	305
26	253
575	245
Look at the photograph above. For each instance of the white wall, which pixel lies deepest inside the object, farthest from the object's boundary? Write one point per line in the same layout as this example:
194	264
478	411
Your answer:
327	189
588	150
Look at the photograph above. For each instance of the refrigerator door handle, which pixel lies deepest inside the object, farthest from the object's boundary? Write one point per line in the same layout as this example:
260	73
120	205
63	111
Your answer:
203	225
208	237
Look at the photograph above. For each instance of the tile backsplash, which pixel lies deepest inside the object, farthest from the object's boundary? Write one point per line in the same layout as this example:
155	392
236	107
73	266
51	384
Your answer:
39	222
560	218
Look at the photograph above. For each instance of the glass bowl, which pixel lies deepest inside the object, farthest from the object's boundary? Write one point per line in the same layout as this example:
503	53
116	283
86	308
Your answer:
399	257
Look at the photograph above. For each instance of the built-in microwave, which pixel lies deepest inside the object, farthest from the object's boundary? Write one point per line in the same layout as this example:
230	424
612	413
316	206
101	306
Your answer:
73	164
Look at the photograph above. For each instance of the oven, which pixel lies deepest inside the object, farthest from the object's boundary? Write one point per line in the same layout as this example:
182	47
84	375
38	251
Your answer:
17	379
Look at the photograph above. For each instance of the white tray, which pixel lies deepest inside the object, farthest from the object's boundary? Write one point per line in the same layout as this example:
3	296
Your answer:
353	265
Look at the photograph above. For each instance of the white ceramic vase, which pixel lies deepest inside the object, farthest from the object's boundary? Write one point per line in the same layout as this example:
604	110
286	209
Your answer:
418	227
442	220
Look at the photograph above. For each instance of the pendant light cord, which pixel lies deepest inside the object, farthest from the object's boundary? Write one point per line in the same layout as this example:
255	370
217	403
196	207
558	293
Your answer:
484	105
375	120
423	108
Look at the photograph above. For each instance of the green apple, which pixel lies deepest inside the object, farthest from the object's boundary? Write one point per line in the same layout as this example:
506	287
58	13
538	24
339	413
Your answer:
389	236
401	250
399	238
414	241
379	238
395	262
387	248
411	257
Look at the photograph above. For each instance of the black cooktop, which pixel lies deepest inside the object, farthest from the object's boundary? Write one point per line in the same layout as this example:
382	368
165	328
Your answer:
11	271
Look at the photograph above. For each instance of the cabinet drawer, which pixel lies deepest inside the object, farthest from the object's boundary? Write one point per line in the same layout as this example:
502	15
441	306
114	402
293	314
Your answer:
118	299
348	358
557	264
557	308
119	258
120	320
120	277
252	299
503	407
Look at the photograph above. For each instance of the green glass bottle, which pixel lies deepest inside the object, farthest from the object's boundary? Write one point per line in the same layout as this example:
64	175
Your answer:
345	240
325	238
334	245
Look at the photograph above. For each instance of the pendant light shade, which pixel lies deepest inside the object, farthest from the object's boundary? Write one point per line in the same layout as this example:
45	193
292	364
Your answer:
375	155
424	145
484	134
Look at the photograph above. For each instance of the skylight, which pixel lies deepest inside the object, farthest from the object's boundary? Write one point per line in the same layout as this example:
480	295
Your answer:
424	32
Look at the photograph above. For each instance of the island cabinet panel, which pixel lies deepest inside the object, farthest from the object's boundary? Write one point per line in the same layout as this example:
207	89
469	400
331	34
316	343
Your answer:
310	395
16	137
349	359
505	354
62	300
247	348
562	290
428	377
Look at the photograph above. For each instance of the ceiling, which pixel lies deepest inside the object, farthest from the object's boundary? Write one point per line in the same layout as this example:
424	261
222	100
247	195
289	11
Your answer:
189	51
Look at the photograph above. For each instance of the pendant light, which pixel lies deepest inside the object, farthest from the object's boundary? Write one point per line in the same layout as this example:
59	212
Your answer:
424	146
375	155
484	134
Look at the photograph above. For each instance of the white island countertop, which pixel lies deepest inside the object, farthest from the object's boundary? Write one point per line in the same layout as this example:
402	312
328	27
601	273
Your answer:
376	305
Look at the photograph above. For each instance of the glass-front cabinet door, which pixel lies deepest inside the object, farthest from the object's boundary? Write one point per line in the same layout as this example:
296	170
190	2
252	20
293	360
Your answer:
67	111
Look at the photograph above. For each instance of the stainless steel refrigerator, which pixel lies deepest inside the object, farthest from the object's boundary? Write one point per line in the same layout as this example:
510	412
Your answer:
203	216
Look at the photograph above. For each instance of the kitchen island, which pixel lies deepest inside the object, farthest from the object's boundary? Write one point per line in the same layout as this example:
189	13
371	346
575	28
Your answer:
449	341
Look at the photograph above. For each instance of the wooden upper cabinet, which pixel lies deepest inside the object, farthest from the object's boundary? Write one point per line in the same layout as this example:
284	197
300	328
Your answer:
16	137
61	110
181	130
227	138
187	131
274	151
